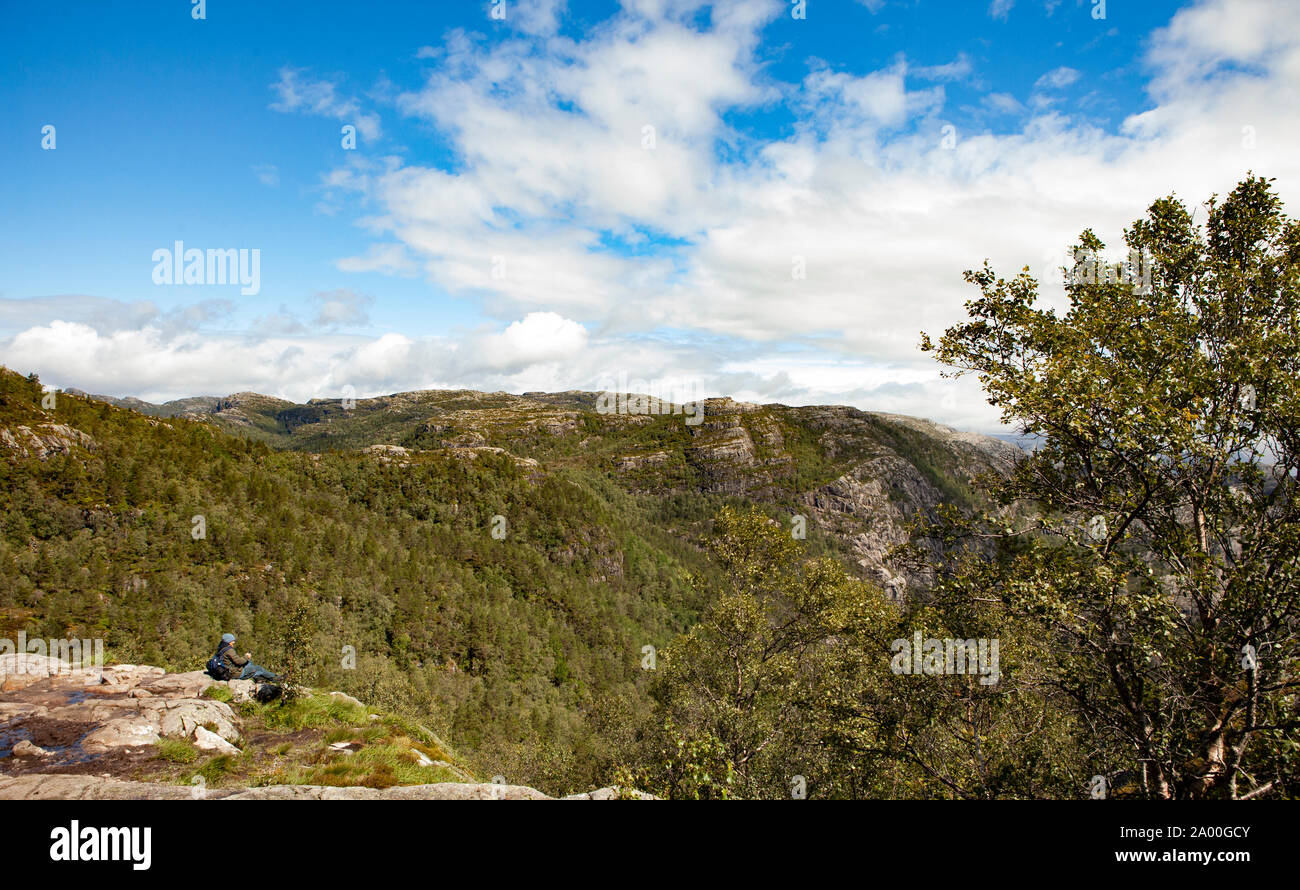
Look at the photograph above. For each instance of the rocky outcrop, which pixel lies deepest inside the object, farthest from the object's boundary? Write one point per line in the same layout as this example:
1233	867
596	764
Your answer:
53	786
869	507
44	440
22	669
388	454
93	711
400	456
611	793
526	463
54	714
725	455
641	461
62	787
207	740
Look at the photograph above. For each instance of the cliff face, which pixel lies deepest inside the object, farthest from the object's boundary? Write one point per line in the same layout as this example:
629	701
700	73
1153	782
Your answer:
43	440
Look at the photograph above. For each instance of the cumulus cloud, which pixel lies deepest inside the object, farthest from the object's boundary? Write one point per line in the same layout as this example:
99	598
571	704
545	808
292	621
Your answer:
540	352
105	315
864	197
537	337
624	224
99	313
1201	40
540	17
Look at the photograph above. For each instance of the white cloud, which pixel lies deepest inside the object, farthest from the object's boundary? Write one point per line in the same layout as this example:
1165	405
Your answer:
1000	9
957	69
540	17
548	138
538	337
267	174
389	259
1057	78
296	93
1002	103
883	216
878	99
541	352
106	316
342	307
1259	34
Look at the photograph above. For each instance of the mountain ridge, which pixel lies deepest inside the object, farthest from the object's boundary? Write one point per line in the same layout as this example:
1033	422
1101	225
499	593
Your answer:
862	475
197	406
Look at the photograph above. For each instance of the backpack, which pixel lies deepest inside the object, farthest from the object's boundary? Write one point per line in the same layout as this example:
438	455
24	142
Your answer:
268	692
217	668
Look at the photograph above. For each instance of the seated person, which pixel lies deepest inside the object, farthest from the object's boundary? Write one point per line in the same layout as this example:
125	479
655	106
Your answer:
239	668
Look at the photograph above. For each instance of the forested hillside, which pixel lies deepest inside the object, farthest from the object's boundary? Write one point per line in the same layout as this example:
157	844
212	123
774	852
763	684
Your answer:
525	648
505	644
859	477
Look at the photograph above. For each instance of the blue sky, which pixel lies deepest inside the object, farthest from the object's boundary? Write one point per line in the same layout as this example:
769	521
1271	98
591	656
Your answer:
503	222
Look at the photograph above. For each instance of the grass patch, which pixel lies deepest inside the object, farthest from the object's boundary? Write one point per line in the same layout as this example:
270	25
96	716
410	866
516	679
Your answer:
424	738
218	693
389	762
216	769
305	712
385	751
177	751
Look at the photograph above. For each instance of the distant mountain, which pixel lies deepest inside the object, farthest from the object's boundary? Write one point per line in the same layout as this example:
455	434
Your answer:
1025	443
178	408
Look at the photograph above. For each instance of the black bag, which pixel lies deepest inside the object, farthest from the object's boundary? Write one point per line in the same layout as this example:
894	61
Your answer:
217	667
268	692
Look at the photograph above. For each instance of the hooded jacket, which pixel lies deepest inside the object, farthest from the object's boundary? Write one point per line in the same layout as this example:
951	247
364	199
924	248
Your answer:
233	661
